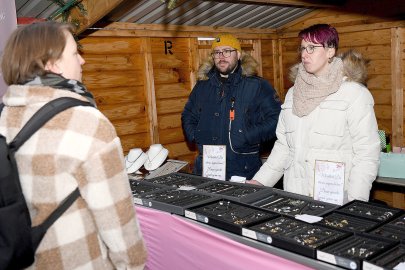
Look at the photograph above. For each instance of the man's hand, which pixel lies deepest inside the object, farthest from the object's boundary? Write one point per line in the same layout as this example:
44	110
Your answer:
253	182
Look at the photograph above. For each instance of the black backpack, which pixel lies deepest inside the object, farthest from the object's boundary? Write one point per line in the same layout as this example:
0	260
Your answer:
18	240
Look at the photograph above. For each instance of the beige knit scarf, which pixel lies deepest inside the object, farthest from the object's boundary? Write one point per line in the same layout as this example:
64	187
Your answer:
310	91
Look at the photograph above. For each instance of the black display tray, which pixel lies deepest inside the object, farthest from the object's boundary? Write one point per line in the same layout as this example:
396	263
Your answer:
173	200
294	235
348	222
292	204
178	179
350	252
228	215
394	229
140	187
235	191
369	210
387	260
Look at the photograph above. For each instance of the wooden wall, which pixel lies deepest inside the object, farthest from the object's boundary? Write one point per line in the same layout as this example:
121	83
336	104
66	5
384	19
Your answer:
142	85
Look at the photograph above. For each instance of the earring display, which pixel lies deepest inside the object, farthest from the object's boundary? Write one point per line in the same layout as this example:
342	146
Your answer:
290	204
387	260
235	191
295	235
393	230
350	252
229	215
173	201
177	180
369	210
350	223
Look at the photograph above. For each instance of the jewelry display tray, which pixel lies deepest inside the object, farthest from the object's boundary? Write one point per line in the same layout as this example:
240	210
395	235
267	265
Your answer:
294	235
229	215
292	204
352	251
394	229
140	187
172	200
387	260
239	192
178	179
348	222
369	210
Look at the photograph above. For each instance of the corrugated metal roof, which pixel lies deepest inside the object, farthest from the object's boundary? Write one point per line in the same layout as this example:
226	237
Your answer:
188	13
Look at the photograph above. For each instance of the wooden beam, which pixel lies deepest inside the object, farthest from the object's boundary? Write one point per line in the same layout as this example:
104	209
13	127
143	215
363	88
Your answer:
397	88
95	10
296	3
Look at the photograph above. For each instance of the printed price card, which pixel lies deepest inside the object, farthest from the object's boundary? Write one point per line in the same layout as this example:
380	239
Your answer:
329	181
214	161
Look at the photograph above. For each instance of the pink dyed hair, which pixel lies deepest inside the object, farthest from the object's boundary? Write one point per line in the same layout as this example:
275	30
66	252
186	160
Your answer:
321	34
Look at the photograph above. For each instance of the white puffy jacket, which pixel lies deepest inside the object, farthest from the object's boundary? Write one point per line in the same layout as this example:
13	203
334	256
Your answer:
343	128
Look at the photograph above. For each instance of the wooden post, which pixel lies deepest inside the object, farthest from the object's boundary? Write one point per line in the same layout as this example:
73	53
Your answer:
150	90
397	88
194	62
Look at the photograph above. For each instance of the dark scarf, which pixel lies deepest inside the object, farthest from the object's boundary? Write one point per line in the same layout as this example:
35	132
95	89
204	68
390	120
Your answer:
57	81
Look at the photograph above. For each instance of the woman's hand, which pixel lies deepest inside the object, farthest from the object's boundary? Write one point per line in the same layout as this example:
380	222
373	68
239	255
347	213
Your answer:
253	182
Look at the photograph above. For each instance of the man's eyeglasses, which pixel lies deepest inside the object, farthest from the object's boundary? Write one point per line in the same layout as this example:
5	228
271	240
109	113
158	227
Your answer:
310	48
224	53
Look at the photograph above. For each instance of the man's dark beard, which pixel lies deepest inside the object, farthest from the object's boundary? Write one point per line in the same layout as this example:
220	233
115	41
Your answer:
229	70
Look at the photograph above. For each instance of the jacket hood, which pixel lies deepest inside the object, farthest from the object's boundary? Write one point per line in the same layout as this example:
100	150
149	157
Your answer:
248	64
354	67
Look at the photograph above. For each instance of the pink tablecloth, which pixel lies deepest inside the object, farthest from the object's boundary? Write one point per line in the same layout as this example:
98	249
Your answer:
174	243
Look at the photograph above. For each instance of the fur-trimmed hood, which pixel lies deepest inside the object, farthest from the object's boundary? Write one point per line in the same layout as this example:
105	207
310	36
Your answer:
354	65
248	64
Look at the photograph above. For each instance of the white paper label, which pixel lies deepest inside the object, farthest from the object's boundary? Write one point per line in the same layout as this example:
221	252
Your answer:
326	257
138	201
329	181
190	214
369	266
249	233
214	161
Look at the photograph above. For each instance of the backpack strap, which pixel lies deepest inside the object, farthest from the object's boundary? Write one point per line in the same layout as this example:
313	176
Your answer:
39	231
43	115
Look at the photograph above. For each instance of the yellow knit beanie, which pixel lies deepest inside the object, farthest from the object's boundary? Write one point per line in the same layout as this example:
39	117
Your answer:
226	40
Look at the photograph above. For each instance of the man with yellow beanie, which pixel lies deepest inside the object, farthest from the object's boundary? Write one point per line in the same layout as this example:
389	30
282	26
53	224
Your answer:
230	105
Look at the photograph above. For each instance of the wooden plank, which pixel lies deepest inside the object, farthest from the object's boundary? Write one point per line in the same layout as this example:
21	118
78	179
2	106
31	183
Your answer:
379	67
169	121
365	38
111	45
397	88
113	78
194	61
171	105
166	75
171	90
141	140
383	111
119	95
123	111
382	82
178	149
150	91
123	62
161	45
167	61
381	97
122	29
171	135
131	126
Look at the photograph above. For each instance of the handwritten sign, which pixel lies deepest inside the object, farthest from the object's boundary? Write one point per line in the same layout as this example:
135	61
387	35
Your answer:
329	181
214	161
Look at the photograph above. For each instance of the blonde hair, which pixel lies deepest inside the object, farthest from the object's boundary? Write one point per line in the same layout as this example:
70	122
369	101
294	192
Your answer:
29	49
